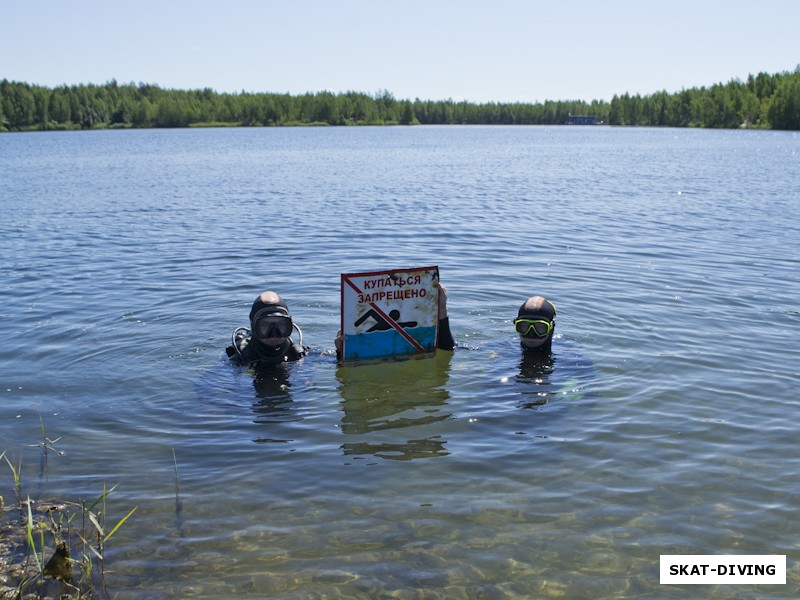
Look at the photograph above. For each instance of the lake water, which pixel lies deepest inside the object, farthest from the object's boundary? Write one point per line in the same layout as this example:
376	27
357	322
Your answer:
666	423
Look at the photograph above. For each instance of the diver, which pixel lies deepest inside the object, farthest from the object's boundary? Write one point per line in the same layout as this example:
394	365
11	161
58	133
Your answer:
547	375
535	324
268	340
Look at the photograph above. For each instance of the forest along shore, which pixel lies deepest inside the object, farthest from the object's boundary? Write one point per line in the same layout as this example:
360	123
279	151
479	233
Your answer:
763	101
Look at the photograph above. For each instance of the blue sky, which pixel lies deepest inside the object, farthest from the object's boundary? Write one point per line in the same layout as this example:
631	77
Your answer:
498	50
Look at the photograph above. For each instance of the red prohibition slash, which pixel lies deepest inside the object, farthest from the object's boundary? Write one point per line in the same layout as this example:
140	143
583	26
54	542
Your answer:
388	319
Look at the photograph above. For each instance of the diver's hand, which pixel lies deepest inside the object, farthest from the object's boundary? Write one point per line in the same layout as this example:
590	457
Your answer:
442	300
338	342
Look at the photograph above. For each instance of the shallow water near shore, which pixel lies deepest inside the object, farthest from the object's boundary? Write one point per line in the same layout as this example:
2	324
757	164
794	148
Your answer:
665	423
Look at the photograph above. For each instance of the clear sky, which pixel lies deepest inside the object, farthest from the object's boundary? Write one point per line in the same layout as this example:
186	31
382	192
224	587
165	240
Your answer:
495	50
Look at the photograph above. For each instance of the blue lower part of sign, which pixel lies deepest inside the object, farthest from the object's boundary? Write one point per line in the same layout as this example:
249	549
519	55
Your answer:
381	344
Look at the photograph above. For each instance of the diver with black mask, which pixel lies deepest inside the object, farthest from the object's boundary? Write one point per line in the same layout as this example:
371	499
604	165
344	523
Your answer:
268	340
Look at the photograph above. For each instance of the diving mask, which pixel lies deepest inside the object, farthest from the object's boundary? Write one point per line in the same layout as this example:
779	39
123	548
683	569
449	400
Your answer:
273	326
534	327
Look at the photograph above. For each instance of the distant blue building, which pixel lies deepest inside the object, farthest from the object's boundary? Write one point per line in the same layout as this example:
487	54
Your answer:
581	120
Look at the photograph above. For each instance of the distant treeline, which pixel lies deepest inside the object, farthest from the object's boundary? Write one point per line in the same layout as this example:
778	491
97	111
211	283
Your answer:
763	101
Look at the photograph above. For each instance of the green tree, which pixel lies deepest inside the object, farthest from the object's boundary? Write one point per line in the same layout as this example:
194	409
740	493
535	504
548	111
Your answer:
18	105
762	85
387	107
784	110
142	114
407	116
59	106
41	103
123	114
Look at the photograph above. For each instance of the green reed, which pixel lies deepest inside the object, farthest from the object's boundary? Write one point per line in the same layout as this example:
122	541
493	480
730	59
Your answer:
15	471
51	530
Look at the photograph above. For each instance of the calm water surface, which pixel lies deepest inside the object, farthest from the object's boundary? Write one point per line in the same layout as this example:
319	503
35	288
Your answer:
666	423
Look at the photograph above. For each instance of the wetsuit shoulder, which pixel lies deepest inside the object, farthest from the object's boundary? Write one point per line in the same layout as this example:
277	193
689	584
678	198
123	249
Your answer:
295	352
245	355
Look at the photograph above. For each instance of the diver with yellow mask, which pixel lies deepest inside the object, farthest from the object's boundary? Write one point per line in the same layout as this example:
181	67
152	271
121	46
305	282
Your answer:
535	324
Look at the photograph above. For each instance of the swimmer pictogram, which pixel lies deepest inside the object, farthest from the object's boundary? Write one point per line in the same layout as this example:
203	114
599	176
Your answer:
382	324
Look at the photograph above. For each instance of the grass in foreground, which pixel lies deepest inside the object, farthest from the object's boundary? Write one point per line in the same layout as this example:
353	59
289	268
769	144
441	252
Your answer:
52	549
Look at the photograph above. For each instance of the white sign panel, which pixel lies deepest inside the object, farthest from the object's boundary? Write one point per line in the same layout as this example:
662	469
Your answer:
390	313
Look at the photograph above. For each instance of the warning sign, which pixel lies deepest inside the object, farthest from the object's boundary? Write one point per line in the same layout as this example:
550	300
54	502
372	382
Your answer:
389	313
